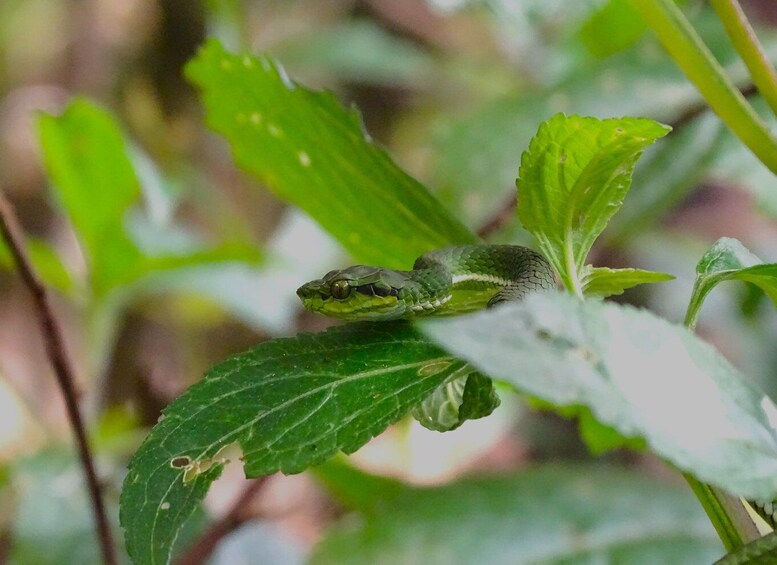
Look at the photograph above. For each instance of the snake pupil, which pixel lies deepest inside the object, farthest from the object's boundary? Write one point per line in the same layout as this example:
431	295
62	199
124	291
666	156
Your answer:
340	290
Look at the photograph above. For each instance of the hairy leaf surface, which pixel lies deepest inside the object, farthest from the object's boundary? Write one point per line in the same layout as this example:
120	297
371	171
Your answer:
637	373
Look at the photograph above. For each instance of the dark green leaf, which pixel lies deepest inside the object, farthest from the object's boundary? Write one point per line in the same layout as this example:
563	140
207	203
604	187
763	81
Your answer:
86	159
315	154
288	403
637	373
603	282
729	260
573	178
548	515
468	395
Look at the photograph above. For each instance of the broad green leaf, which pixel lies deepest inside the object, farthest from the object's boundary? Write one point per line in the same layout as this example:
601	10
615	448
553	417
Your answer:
637	373
549	515
86	159
573	178
603	281
729	260
288	403
313	153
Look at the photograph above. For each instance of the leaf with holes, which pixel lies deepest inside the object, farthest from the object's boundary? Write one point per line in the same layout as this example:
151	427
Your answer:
288	404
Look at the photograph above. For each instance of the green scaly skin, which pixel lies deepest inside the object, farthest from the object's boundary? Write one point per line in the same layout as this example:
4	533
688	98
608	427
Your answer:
446	281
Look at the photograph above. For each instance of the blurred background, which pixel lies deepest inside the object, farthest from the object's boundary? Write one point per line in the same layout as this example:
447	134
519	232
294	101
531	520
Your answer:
454	89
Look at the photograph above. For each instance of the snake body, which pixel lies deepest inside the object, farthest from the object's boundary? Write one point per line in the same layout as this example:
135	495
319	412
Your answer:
445	281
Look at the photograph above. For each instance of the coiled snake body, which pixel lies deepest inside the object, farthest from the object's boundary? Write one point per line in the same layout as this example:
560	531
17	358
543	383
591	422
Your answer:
446	281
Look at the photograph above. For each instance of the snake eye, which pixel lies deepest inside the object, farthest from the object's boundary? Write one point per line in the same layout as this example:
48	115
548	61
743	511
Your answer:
340	289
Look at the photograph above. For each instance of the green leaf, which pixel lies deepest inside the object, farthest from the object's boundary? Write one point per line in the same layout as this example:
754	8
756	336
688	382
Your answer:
464	397
614	27
729	260
356	489
288	403
550	515
47	264
573	178
603	281
637	373
86	159
313	153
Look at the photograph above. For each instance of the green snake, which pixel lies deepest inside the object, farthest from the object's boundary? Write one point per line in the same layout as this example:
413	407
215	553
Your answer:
445	281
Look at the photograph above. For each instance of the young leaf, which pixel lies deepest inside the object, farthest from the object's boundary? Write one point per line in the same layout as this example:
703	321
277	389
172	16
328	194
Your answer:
313	153
549	515
573	178
465	397
288	403
637	373
729	260
86	159
603	281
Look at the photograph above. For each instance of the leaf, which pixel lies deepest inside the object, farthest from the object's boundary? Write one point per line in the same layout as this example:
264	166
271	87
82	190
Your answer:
729	260
313	153
550	515
573	178
86	159
46	263
637	373
464	397
603	281
288	403
612	28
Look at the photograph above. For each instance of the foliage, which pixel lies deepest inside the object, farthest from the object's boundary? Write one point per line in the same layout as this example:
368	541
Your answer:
546	83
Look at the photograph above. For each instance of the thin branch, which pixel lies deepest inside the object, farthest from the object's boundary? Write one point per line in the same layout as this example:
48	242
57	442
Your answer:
55	349
749	48
199	551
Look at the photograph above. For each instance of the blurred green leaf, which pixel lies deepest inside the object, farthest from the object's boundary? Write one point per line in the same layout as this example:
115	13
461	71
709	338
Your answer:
573	179
360	51
289	403
86	159
312	152
614	27
549	514
637	373
603	281
54	523
46	263
356	489
729	260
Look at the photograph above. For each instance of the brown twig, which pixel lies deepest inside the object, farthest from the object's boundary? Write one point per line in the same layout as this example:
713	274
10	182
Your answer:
55	349
199	551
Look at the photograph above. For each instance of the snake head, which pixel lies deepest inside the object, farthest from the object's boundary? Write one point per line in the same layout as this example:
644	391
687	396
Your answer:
355	293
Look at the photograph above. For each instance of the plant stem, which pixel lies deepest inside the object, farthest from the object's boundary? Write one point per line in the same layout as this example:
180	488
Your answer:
697	62
726	512
749	48
55	349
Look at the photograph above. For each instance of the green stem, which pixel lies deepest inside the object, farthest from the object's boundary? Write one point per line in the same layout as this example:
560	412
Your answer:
749	48
697	62
726	512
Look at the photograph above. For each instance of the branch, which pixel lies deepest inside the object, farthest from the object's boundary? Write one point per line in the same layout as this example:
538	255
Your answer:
199	551
55	349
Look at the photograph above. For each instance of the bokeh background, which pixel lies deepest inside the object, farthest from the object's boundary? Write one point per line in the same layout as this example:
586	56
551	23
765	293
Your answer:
454	89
